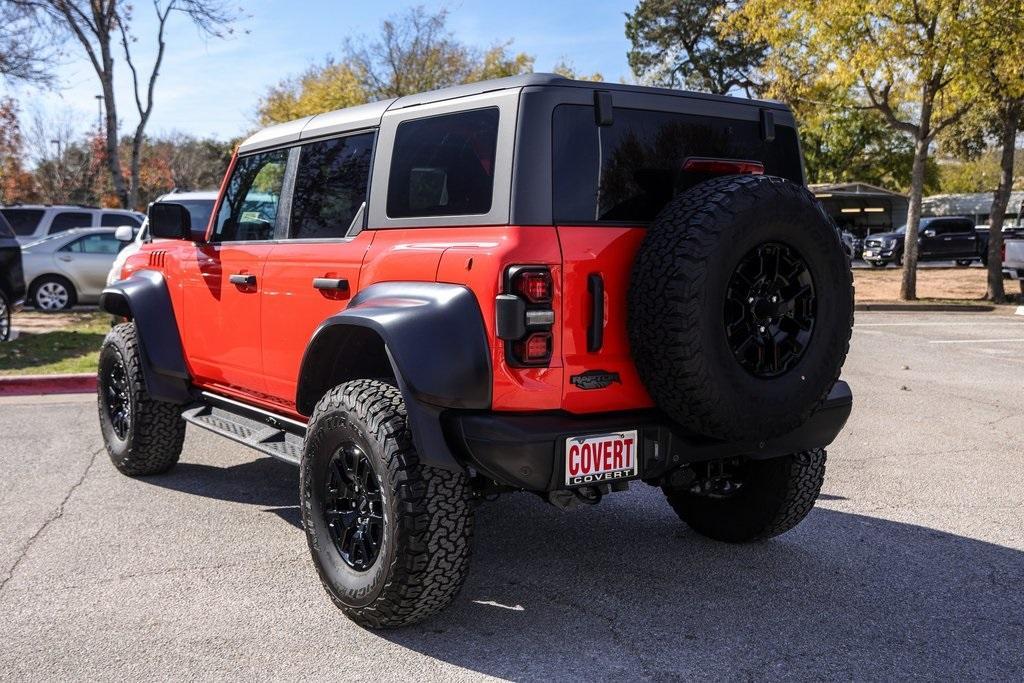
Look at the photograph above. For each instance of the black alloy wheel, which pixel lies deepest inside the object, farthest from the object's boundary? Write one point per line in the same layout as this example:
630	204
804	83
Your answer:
5	319
354	508
117	398
770	310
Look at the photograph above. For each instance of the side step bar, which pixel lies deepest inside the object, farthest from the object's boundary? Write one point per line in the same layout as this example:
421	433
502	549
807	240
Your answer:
275	435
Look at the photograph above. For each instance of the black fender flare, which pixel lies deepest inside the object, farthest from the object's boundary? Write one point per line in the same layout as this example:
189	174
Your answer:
434	344
144	299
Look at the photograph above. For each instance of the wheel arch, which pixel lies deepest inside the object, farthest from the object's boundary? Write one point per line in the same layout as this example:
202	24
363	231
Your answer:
144	299
428	338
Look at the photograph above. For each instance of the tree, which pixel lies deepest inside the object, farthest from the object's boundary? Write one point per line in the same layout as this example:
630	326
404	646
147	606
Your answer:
15	182
681	44
568	69
999	70
909	60
103	26
841	144
25	53
414	53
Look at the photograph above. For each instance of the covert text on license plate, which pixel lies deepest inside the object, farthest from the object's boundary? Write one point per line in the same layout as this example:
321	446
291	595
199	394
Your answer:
600	458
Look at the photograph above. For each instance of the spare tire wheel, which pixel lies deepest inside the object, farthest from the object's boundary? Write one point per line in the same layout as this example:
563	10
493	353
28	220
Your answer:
740	307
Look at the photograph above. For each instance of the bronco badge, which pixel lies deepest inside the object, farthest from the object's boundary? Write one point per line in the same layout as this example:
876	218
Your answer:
595	379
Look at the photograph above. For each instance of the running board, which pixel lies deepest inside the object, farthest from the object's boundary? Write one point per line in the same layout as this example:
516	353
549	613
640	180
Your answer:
274	435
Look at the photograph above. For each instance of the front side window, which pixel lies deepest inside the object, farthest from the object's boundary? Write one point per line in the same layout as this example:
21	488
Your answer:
67	220
330	186
444	165
23	221
249	209
100	243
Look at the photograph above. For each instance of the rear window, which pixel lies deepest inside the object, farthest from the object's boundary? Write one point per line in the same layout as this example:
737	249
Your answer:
628	171
444	165
23	221
70	219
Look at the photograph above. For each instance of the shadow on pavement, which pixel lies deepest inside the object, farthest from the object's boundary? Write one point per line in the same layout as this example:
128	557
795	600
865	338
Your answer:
263	482
625	590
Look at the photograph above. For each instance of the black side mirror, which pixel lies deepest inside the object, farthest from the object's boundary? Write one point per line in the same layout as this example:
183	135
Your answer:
169	221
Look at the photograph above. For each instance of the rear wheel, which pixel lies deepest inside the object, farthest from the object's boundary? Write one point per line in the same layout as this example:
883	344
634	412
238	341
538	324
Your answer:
390	537
53	293
5	318
143	436
753	499
964	262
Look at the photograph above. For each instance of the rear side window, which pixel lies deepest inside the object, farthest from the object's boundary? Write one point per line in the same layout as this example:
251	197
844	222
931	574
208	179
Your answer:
628	171
330	186
249	209
23	221
100	243
66	220
443	165
116	220
5	229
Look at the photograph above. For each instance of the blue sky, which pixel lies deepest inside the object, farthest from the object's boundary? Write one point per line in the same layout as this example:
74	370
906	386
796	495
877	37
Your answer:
210	87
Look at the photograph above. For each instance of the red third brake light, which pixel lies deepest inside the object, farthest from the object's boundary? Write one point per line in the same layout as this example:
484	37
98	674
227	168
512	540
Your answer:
723	166
533	285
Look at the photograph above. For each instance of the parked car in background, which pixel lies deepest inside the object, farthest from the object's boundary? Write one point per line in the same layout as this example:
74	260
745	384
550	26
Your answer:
199	205
12	279
939	239
854	245
32	222
1013	260
69	268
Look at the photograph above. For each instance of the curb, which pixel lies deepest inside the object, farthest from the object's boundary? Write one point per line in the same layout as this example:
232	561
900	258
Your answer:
33	385
927	308
1019	311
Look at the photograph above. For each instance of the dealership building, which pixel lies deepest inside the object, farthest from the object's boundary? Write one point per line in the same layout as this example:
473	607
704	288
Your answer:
862	209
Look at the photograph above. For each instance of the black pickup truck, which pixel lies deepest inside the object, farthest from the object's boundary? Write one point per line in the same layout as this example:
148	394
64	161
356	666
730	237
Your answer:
12	279
939	239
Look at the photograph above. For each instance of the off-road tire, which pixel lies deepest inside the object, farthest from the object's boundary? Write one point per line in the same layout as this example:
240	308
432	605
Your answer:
6	318
424	556
156	430
775	496
678	292
54	279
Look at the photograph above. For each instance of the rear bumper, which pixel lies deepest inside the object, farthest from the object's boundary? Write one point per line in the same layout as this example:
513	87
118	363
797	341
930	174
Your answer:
527	451
1013	273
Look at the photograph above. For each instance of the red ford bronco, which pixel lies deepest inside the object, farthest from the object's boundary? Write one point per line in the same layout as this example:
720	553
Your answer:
529	284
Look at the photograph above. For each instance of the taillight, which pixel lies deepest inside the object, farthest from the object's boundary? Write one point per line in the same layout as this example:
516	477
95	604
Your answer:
533	285
1002	252
524	318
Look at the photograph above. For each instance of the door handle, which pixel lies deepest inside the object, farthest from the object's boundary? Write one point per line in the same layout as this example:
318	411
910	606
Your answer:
63	257
243	280
334	284
947	239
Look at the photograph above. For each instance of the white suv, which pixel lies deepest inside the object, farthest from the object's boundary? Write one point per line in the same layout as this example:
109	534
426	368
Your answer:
35	221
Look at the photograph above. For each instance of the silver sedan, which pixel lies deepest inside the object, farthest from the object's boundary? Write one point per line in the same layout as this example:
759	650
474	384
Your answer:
69	268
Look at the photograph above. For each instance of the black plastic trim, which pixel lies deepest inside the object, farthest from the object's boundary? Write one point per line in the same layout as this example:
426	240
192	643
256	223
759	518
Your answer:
526	451
595	334
144	299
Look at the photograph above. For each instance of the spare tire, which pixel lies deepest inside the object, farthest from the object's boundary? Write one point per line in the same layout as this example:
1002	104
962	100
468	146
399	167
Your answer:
740	307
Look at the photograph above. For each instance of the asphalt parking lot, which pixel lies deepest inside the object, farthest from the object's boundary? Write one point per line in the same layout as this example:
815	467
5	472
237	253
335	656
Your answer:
911	565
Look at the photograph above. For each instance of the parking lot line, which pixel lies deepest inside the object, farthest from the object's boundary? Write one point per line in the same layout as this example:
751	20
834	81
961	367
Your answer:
945	324
972	341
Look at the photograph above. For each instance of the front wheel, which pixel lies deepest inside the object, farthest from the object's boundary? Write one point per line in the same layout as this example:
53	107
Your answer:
753	499
390	537
143	436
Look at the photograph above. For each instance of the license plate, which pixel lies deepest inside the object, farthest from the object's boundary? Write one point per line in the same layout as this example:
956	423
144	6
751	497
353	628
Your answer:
601	458
870	252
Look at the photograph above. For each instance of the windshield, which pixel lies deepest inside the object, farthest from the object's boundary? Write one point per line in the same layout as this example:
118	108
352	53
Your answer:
199	211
